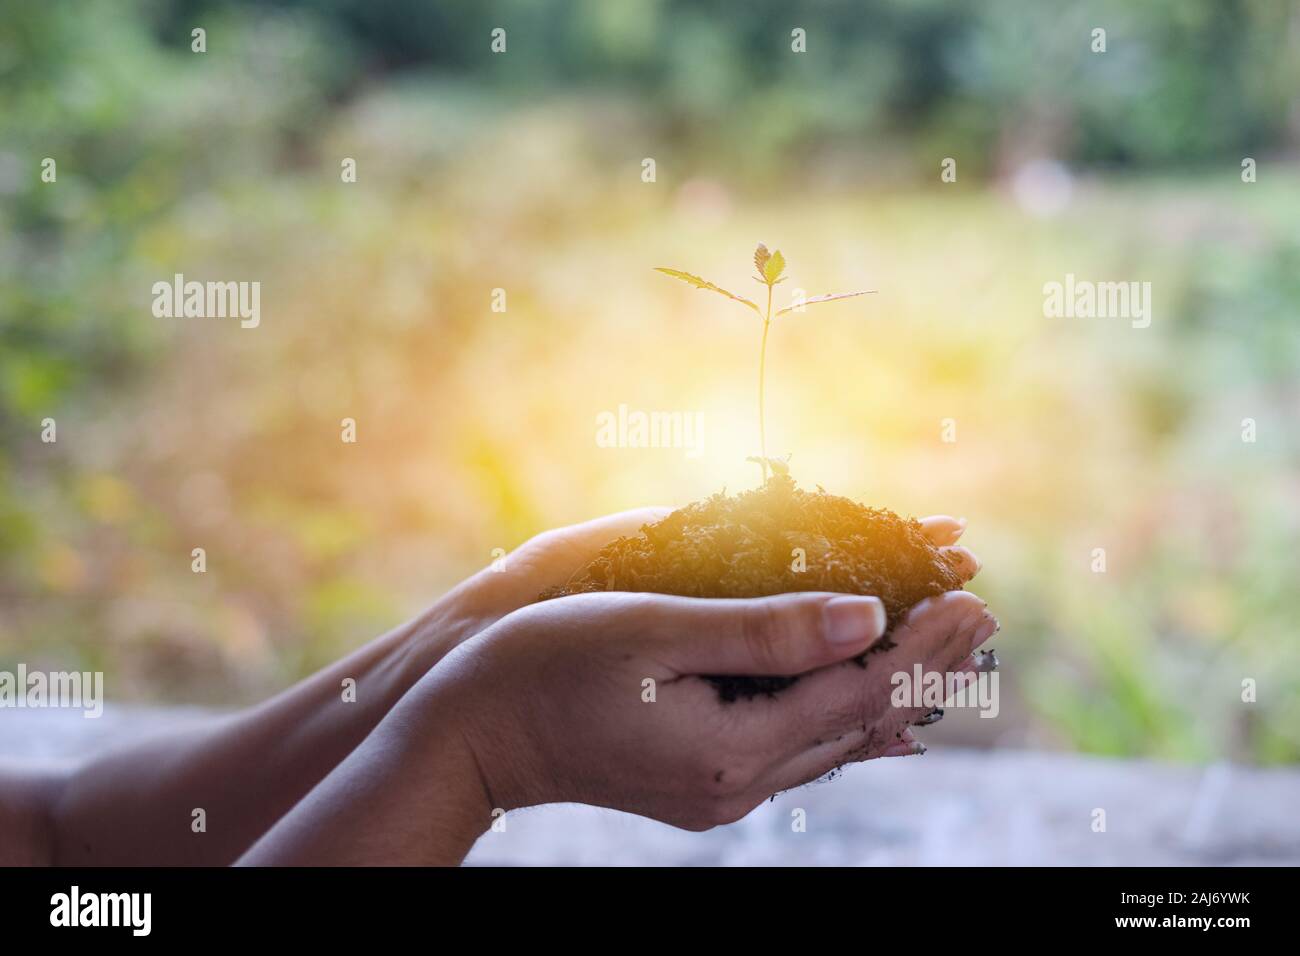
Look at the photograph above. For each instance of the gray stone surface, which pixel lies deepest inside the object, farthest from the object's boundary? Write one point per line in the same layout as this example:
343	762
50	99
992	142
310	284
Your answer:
951	806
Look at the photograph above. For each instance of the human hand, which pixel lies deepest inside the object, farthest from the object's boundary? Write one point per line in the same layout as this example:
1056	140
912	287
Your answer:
485	597
552	699
552	557
539	702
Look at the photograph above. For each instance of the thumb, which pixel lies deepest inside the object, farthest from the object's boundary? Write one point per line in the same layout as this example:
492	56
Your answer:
783	635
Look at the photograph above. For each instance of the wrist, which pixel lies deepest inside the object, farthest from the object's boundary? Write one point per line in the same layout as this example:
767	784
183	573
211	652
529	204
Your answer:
459	806
500	735
445	625
427	639
447	785
410	794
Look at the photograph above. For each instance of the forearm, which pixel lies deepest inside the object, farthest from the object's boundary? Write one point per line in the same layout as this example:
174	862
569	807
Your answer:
141	805
25	793
409	795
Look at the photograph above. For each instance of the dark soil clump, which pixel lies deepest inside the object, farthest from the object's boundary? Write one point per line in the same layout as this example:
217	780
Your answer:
743	546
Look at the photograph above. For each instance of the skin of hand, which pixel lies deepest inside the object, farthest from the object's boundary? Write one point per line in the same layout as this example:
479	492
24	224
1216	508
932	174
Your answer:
554	710
552	557
484	598
134	805
548	704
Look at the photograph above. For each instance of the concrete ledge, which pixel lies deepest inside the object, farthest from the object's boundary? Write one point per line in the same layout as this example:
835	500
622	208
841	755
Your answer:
951	806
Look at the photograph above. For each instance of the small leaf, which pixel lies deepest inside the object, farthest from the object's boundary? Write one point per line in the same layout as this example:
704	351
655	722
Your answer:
828	298
761	255
773	267
706	284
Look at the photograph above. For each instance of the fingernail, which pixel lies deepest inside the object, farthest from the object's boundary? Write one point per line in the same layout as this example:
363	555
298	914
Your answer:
904	749
953	533
986	661
984	630
933	717
853	620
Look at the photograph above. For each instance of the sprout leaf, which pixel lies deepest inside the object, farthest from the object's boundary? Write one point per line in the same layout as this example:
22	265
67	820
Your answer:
706	284
773	267
827	298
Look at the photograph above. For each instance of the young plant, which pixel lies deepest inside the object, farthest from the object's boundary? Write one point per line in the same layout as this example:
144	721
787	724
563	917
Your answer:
771	266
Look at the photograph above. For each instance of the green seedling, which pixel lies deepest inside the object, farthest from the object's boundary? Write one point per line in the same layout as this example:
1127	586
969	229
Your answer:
771	268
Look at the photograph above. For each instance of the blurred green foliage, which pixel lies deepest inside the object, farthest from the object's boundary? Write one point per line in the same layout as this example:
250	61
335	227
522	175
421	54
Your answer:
523	172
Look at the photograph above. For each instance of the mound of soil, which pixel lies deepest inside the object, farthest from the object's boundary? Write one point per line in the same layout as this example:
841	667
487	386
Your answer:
743	546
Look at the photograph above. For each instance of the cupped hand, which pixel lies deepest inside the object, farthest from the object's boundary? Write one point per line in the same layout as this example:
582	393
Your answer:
598	698
554	556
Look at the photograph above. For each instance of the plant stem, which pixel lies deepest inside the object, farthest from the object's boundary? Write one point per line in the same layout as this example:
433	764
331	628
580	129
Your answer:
762	364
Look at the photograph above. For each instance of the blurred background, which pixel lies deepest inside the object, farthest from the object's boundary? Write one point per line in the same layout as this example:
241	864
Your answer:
522	171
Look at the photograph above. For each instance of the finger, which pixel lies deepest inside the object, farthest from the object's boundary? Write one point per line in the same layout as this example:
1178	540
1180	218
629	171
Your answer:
853	748
937	634
783	635
565	550
843	714
859	720
552	558
905	746
825	759
943	529
853	712
964	562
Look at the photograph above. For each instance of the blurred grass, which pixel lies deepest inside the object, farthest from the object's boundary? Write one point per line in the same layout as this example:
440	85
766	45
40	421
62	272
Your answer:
476	429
